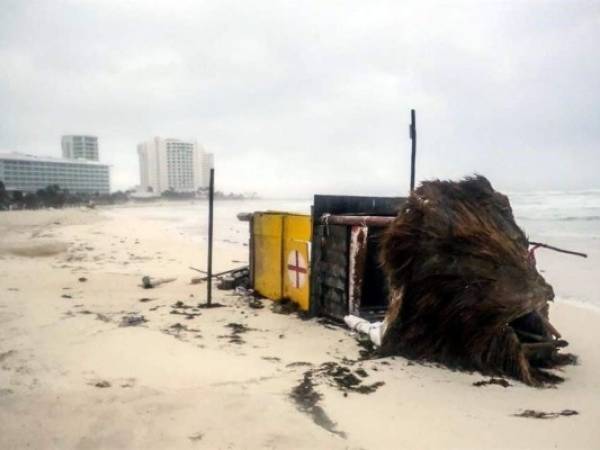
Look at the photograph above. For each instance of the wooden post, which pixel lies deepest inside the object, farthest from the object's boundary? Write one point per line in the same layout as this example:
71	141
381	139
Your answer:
211	195
413	138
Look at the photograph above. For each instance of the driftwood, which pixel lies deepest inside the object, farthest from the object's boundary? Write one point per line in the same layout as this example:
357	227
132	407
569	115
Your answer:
556	249
464	291
197	280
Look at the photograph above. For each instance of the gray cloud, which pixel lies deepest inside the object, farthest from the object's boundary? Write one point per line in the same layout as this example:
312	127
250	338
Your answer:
303	97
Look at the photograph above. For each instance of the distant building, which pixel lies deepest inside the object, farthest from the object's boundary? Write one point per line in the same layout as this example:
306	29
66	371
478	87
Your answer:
173	164
80	147
28	173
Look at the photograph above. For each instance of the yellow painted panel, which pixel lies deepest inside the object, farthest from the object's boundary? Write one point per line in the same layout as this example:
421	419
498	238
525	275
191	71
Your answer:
296	259
267	230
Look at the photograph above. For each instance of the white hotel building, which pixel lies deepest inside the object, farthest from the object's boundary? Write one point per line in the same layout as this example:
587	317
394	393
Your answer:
183	166
28	173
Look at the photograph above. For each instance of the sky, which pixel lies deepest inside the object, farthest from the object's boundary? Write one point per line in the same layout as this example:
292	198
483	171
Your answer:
303	97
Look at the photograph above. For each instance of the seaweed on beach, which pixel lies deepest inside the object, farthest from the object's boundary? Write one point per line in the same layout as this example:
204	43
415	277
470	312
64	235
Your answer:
465	291
307	400
533	414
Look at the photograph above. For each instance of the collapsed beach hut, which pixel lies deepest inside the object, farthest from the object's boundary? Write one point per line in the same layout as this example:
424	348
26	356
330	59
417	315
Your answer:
448	267
464	288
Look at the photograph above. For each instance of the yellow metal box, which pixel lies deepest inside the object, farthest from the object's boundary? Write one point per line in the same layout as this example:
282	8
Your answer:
281	256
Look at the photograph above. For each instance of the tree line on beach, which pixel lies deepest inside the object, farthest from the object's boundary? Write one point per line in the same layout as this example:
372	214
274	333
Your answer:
53	196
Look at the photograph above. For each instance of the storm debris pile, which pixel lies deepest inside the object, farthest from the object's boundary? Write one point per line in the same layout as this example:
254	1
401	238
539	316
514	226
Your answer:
465	291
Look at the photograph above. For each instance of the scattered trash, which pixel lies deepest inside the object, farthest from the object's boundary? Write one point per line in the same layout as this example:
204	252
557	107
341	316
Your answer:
146	299
102	384
256	303
373	330
239	277
244	291
82	279
66	296
546	415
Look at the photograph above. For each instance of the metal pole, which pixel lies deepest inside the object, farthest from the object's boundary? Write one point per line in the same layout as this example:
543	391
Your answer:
211	195
413	137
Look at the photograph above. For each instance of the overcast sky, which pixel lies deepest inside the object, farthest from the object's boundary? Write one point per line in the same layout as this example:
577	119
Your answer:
304	97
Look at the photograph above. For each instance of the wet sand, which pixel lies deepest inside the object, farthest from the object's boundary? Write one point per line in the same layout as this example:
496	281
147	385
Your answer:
72	377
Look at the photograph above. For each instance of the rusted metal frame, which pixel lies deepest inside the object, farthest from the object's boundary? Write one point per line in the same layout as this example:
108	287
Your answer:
356	267
364	221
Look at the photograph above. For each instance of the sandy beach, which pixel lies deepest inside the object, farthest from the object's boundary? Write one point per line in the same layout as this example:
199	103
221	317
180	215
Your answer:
71	377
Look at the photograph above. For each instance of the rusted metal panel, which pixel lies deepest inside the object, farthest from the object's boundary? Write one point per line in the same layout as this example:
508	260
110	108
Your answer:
356	267
367	221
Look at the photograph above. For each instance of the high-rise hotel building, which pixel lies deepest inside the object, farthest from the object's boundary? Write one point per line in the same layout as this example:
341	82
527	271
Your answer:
173	164
80	147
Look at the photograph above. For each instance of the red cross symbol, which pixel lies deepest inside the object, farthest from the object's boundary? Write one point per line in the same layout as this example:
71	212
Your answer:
296	268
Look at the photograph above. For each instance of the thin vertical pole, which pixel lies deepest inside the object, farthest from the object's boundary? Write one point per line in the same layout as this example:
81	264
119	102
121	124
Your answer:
211	195
413	138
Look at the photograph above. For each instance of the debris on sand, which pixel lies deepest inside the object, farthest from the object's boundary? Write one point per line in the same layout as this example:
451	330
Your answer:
196	437
146	299
185	310
531	413
236	330
361	372
66	296
7	354
271	358
298	364
132	320
464	289
180	305
346	380
150	283
82	279
177	328
307	401
499	381
255	303
284	306
101	384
